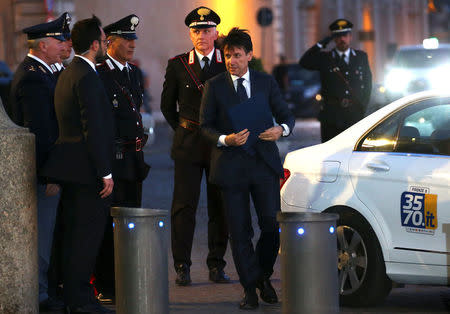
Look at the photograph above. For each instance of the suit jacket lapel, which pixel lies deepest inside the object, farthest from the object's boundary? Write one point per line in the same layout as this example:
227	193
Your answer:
231	90
253	83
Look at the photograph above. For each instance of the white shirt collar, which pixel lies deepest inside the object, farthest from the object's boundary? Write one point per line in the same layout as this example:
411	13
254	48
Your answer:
41	61
246	77
88	61
346	53
117	63
200	56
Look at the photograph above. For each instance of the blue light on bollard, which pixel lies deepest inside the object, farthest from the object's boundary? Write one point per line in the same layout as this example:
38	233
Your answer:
331	229
130	225
161	224
300	231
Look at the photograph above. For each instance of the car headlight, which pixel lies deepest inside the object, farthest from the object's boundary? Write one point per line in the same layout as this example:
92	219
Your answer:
397	80
438	77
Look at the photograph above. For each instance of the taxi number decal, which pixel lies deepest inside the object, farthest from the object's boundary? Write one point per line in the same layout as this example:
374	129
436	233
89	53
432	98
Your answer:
419	212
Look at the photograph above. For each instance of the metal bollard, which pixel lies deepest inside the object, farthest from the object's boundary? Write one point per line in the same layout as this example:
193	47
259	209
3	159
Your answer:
309	263
140	255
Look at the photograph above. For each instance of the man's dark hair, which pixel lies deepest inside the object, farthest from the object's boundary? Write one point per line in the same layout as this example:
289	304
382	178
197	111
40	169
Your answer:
238	38
84	33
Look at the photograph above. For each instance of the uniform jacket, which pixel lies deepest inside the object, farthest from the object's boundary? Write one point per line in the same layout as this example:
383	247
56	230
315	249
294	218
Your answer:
125	97
180	89
334	75
219	95
84	149
32	105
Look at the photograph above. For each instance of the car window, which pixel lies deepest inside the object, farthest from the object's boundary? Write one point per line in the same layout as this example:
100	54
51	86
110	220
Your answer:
421	128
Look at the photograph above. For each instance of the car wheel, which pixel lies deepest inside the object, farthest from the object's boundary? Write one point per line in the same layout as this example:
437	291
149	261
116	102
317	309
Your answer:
362	272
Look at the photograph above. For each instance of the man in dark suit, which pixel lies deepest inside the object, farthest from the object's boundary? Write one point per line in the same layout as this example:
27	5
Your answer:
32	107
346	79
245	162
81	162
185	76
125	93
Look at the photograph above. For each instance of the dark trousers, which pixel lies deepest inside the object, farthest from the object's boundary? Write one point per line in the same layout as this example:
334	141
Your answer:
126	194
263	186
188	177
84	217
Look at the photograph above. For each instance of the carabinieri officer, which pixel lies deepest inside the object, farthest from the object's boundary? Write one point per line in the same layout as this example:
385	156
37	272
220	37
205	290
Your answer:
183	86
345	76
125	91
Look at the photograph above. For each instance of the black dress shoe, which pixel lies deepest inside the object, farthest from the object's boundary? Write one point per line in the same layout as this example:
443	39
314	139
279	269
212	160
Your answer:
250	300
218	276
266	291
183	275
90	308
51	304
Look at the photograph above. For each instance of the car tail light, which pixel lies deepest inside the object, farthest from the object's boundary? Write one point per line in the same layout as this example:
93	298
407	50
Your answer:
287	174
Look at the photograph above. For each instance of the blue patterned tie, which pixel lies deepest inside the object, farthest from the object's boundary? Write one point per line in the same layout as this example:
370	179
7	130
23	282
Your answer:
242	93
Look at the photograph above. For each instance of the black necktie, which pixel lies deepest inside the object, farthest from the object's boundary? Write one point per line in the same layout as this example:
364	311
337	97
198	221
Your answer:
206	66
342	59
242	93
125	73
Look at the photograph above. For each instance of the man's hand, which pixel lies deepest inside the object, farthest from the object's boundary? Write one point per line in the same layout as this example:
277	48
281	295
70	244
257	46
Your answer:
271	134
108	185
325	41
51	189
237	139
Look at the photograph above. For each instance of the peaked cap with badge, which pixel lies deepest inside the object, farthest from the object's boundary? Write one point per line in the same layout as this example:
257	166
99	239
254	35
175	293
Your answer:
341	26
202	17
125	27
56	29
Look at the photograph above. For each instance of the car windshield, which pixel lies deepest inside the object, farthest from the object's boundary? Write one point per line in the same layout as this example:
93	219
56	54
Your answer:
422	58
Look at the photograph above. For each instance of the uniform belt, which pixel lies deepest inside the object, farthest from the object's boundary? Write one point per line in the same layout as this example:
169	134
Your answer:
189	124
130	146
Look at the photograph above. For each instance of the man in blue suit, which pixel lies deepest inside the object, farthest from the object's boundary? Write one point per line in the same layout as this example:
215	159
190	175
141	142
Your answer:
236	115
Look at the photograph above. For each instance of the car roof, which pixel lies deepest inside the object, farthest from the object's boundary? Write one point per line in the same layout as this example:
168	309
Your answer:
420	47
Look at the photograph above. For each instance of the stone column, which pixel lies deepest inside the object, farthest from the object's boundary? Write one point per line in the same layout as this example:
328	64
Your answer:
18	219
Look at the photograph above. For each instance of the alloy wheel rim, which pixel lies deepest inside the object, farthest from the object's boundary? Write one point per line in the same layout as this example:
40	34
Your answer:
352	259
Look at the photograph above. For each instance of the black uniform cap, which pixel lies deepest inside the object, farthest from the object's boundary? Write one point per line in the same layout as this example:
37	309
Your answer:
202	17
125	27
341	26
55	29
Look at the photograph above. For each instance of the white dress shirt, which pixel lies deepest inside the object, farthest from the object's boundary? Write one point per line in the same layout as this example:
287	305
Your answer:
346	54
200	57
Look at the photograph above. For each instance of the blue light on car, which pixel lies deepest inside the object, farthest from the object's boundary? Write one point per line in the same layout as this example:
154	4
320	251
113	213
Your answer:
331	229
301	231
131	225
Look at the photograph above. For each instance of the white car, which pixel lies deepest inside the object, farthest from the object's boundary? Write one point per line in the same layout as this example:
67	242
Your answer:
388	177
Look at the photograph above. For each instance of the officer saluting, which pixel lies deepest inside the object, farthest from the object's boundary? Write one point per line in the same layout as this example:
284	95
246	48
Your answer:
346	79
125	91
185	76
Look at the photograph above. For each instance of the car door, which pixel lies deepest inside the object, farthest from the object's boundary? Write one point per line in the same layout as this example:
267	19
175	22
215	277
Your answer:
401	171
